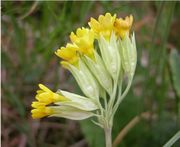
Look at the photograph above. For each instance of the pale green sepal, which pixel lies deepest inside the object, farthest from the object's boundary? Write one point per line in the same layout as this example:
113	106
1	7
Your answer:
77	101
85	79
98	68
134	59
110	54
70	112
127	48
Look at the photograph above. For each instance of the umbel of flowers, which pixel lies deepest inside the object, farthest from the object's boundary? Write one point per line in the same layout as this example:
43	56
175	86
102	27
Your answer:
99	71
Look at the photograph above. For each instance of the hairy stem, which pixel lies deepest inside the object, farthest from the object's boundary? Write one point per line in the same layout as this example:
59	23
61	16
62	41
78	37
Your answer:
112	98
120	97
108	137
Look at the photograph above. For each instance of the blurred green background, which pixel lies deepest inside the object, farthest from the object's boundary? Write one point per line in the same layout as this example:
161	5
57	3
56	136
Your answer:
32	31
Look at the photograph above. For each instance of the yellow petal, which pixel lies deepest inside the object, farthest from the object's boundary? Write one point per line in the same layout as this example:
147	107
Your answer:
84	40
123	26
68	53
42	87
46	97
37	104
39	91
104	26
73	37
41	112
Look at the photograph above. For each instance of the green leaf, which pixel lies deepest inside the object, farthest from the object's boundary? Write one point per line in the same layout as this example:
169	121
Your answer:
175	70
174	62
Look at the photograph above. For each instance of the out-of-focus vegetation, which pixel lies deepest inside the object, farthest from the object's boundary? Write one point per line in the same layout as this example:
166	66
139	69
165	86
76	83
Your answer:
32	31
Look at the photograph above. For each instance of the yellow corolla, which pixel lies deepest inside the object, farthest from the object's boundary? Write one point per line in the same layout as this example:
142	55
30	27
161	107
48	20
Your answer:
123	26
68	53
41	111
46	96
84	39
104	26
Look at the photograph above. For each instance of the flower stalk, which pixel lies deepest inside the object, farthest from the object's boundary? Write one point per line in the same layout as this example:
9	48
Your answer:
108	136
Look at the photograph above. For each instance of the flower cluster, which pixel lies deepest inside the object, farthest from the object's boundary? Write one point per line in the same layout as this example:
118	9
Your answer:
99	71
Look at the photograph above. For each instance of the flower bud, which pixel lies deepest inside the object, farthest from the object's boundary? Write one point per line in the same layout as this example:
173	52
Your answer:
110	55
127	48
98	69
84	78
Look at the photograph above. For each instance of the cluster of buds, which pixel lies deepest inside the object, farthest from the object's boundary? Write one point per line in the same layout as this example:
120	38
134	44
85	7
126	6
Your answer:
99	71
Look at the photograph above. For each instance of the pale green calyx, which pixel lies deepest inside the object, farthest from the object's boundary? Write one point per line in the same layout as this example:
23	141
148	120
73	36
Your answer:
127	49
99	70
85	79
110	55
70	112
78	101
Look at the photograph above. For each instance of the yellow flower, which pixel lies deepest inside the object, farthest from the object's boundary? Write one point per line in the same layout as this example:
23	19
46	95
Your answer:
46	96
84	39
41	111
122	27
104	26
68	53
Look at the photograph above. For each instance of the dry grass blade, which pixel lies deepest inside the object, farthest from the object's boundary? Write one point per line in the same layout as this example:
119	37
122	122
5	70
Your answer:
31	10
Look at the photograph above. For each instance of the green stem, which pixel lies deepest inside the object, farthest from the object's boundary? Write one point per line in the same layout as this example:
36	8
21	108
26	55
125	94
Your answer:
105	102
112	97
108	137
107	117
120	97
100	107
